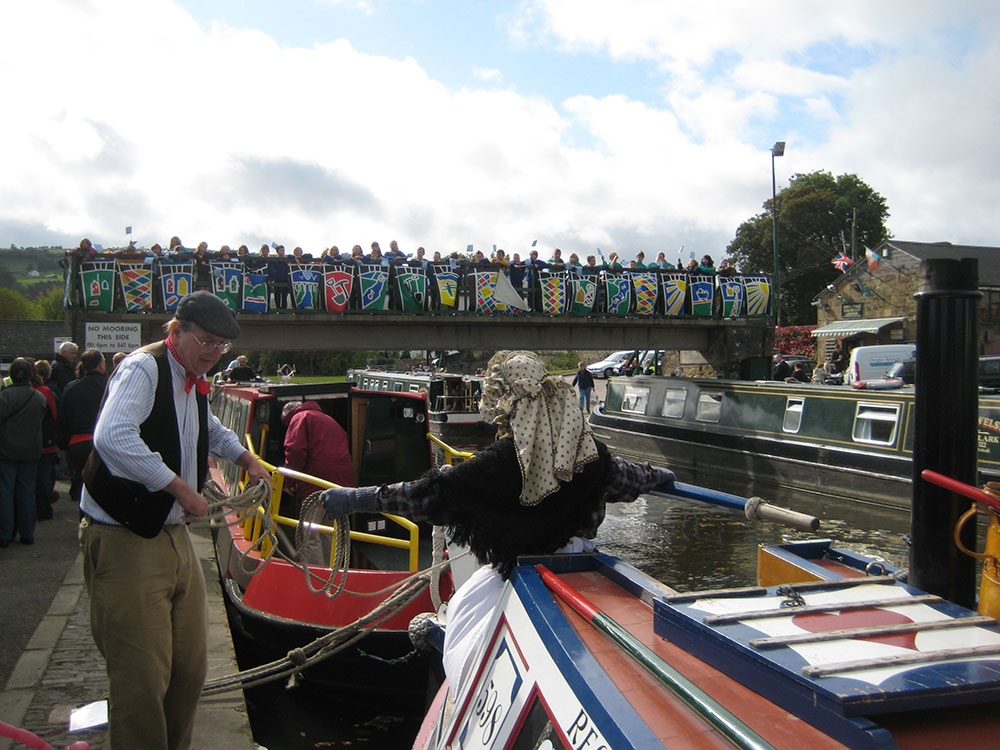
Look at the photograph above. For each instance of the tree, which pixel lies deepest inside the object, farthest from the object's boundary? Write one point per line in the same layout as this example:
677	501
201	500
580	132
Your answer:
50	304
816	214
14	306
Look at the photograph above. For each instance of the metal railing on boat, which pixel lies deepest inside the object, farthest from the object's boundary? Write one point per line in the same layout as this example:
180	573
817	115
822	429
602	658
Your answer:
253	526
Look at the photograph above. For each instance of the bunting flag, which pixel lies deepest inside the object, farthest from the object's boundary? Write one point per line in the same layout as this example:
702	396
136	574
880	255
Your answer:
758	294
583	295
702	295
873	258
841	262
136	280
226	278
554	297
486	283
337	284
619	287
255	292
645	293
675	286
374	287
731	291
411	281
176	282
97	281
304	278
446	279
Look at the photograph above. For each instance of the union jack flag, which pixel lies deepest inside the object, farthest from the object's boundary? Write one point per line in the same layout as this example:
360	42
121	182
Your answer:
841	262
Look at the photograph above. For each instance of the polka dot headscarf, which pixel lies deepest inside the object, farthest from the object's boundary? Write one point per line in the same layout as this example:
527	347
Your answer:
551	437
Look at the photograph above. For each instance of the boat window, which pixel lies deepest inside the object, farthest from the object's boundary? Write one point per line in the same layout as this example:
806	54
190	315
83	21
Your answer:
673	402
793	414
414	387
709	407
634	400
876	423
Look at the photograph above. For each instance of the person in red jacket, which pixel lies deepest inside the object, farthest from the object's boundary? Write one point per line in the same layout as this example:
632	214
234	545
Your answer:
315	444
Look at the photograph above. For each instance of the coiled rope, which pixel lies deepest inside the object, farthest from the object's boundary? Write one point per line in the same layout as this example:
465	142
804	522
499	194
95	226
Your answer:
252	502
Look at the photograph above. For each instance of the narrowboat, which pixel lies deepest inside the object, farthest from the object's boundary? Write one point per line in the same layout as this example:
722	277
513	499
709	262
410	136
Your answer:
829	650
452	402
835	441
273	606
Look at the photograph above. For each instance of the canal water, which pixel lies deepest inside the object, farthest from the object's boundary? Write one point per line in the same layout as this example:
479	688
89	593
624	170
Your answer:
687	545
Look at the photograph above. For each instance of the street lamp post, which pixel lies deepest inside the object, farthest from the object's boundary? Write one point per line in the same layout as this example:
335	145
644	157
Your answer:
778	149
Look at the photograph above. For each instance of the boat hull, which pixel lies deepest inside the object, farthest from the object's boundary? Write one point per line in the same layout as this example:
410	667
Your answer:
831	441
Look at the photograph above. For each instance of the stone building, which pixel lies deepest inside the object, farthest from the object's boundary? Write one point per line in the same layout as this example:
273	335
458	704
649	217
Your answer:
873	302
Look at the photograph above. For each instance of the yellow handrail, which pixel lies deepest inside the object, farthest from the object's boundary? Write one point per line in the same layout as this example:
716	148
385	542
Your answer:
253	526
449	453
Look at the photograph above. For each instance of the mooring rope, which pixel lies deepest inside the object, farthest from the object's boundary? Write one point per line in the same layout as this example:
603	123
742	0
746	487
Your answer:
252	503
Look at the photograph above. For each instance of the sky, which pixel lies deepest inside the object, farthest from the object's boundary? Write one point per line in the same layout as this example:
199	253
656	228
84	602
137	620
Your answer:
582	124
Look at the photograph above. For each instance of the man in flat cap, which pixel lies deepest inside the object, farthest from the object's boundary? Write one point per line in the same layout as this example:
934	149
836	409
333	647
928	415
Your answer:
147	591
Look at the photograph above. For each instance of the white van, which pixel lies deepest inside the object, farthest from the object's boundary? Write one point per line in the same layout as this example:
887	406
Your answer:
871	362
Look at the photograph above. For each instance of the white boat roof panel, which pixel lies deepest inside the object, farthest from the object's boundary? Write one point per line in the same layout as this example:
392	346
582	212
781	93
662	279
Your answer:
861	325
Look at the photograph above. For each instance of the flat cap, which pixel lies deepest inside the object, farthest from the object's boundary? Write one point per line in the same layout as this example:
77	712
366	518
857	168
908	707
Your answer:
210	313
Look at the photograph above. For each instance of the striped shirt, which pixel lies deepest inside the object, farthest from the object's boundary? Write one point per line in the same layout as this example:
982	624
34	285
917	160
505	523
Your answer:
131	391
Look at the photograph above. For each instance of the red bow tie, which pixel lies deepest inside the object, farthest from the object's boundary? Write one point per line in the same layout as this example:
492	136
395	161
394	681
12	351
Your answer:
201	385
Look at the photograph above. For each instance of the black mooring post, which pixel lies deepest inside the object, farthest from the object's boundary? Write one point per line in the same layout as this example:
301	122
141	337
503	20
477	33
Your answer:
944	438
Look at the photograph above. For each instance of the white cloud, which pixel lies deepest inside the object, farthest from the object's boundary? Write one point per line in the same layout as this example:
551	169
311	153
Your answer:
130	113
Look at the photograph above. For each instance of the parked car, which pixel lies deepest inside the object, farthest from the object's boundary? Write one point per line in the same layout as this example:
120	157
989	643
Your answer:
989	372
610	365
792	359
905	370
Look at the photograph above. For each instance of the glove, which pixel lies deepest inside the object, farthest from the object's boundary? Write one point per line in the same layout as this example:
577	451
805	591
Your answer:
658	476
342	501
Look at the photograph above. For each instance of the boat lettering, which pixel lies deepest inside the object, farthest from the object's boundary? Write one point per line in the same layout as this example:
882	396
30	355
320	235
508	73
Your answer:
584	735
987	423
494	699
489	711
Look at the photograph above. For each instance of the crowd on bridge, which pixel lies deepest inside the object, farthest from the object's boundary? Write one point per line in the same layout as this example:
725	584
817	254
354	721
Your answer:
447	281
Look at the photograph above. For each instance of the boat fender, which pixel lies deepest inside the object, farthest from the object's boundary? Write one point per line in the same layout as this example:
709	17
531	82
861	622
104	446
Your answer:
877	385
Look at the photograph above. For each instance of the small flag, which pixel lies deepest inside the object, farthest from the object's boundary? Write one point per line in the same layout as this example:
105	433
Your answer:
468	248
274	245
494	249
692	255
534	242
873	258
128	230
841	262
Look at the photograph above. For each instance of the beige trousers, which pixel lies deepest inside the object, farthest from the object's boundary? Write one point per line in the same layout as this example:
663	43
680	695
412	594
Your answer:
149	618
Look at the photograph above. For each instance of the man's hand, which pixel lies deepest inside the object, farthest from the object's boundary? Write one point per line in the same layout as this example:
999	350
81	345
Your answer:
255	469
194	505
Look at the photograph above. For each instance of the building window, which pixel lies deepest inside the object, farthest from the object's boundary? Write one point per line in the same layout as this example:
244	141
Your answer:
989	307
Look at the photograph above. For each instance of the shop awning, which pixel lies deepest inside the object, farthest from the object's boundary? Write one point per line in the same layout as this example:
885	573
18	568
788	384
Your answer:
850	327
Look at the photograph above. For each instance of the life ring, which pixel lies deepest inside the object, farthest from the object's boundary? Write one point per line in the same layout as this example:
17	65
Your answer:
884	384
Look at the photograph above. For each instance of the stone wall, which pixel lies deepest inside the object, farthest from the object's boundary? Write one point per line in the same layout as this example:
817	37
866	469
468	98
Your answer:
30	338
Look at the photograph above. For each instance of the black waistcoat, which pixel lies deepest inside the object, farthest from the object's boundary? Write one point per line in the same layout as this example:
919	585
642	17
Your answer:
127	501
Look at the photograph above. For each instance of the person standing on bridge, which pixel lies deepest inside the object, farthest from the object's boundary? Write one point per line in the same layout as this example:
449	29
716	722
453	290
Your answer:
148	610
584	381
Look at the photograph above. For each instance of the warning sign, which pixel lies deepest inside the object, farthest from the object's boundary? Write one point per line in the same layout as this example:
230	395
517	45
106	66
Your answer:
114	337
